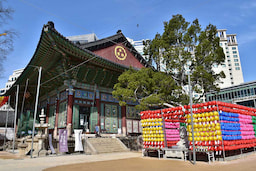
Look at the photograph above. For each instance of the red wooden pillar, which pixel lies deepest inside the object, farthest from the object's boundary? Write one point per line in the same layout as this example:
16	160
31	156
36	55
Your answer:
123	114
70	110
55	133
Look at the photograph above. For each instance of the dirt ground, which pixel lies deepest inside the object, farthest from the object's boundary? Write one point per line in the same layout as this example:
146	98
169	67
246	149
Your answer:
153	164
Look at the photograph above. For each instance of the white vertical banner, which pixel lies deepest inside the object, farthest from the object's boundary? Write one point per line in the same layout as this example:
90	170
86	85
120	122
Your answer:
140	127
78	140
129	126
50	143
135	125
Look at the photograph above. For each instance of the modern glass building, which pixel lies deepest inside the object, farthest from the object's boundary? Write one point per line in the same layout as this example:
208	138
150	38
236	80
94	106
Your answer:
243	94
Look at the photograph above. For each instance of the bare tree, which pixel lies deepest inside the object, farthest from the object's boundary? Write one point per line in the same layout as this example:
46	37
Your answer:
6	34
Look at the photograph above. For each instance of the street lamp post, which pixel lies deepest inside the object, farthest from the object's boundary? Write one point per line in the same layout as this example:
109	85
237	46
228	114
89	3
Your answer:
36	104
15	117
192	120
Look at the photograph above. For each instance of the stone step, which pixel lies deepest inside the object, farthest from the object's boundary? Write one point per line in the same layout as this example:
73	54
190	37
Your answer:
107	145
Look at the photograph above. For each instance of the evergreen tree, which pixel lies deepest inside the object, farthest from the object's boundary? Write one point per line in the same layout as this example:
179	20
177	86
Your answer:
183	47
147	87
186	47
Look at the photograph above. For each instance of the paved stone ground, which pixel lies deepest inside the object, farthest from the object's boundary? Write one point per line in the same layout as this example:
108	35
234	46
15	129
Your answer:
11	162
118	161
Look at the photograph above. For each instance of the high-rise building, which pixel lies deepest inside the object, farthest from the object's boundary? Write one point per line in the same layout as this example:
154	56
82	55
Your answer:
138	45
232	65
81	39
8	84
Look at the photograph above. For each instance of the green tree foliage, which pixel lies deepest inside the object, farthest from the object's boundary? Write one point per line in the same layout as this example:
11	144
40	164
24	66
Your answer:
147	87
183	47
6	41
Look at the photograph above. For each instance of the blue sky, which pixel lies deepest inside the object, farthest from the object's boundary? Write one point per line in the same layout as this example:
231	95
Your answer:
138	19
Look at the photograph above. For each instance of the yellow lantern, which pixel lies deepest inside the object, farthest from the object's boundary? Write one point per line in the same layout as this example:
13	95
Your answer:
218	132
217	127
216	118
190	139
206	114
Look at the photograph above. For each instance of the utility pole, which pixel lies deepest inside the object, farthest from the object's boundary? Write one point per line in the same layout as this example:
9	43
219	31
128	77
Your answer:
36	104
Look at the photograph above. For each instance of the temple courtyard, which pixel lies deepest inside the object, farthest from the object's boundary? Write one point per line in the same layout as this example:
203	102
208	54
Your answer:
118	161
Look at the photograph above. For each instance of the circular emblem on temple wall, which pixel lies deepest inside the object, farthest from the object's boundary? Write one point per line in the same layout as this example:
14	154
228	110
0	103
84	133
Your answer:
120	53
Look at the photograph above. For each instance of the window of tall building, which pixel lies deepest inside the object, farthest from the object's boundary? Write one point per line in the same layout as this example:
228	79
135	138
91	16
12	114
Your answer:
237	68
223	65
228	56
234	52
235	56
235	60
227	52
220	44
236	64
226	47
233	48
238	93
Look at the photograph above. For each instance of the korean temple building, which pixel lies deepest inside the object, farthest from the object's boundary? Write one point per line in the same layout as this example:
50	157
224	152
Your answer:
77	83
